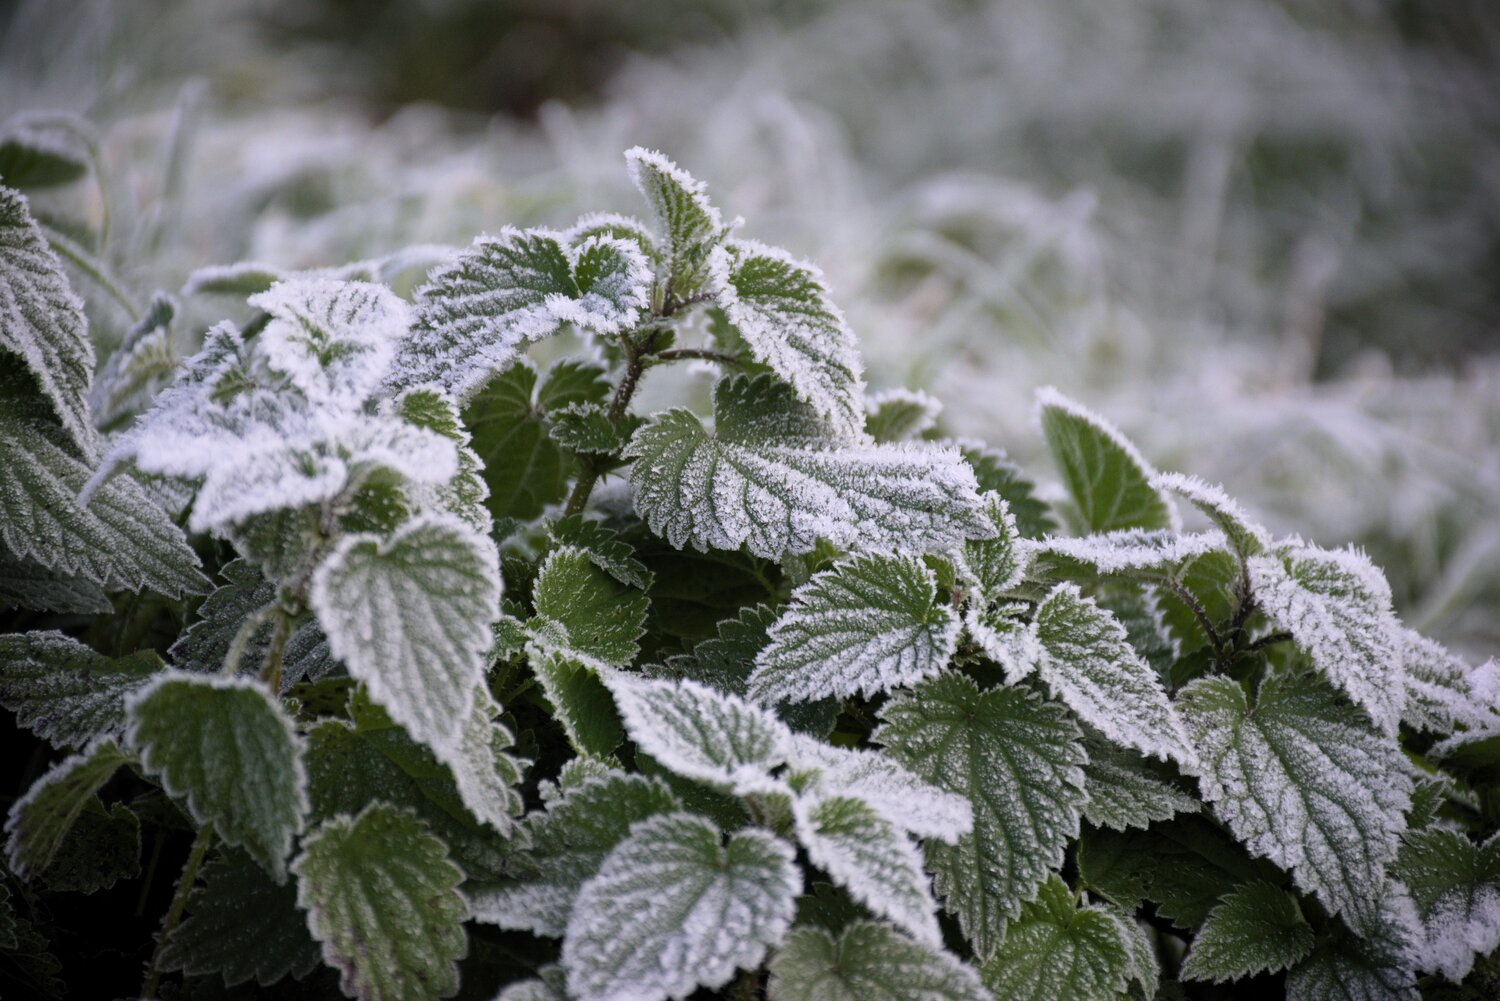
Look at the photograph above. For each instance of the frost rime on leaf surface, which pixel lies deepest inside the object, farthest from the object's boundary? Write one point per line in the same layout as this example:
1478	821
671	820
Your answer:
1440	694
673	907
881	781
1337	606
1255	928
485	774
410	616
65	692
900	414
1248	537
691	226
866	626
996	564
1455	886
1058	951
39	822
769	478
869	961
1302	778
332	340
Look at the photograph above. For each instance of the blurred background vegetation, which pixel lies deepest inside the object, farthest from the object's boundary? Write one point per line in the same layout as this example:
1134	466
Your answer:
1263	235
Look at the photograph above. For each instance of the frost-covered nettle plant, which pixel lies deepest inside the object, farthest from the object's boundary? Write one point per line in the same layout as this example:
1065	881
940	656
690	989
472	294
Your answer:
824	707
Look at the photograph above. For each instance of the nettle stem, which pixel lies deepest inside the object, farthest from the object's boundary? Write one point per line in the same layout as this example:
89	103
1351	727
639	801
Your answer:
185	883
270	670
639	355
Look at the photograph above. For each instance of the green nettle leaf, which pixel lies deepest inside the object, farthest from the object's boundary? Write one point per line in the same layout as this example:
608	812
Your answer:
66	693
1455	885
466	494
1108	479
227	747
1303	779
570	840
866	626
699	733
411	616
42	321
102	848
41	821
870	961
580	703
1088	662
675	906
241	925
586	428
1440	692
900	414
780	309
771	479
1211	579
29	585
1130	553
1337	605
871	858
690	225
475	315
1372	965
43	150
382	898
585	613
604	549
120	539
144	361
997	474
1126	790
1018	760
1256	928
1058	951
997	564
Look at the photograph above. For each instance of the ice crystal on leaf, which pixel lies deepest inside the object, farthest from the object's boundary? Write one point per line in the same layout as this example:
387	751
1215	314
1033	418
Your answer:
900	414
690	226
880	781
1455	887
1248	537
1256	928
1058	951
869	961
65	692
40	820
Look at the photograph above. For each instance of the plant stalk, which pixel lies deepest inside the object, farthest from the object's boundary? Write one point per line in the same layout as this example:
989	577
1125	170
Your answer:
179	904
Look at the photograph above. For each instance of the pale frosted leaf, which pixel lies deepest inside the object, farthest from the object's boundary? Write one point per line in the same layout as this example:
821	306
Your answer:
381	896
1255	928
1005	637
1455	886
821	769
868	961
1058	951
230	750
1440	695
143	361
1133	553
465	492
332	340
42	321
410	617
40	821
1088	662
1247	536
483	769
580	703
900	414
1371	966
570	840
65	692
1018	761
1337	606
1126	790
780	308
769	479
700	733
1303	779
1109	481
871	858
1000	563
690	225
613	224
675	907
866	626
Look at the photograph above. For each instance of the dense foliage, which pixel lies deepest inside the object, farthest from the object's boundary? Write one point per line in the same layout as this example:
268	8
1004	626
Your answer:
824	705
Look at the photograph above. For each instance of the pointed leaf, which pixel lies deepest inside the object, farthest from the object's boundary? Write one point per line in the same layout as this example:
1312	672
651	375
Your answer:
227	747
43	150
1440	691
484	771
1126	790
410	616
821	770
584	612
66	693
998	474
580	703
1248	537
866	626
40	821
689	224
1455	885
1302	779
1256	928
673	907
997	564
1017	759
769	480
605	550
870	961
1058	951
900	414
144	361
1108	479
382	898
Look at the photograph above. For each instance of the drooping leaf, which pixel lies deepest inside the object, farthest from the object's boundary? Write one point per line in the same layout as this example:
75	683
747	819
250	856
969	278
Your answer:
605	550
1126	790
570	841
476	314
410	617
1018	760
1256	928
869	961
1455	885
242	926
40	821
871	858
42	322
1058	951
900	414
102	847
690	225
699	733
406	947
1129	553
483	769
674	907
780	309
769	478
584	612
230	750
1088	662
65	692
1337	606
866	626
1109	481
43	150
29	585
1303	779
580	703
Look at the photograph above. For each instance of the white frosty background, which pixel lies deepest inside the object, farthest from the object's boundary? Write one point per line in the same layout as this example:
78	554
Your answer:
1263	237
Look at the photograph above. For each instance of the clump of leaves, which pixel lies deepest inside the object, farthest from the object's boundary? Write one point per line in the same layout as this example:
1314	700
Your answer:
825	707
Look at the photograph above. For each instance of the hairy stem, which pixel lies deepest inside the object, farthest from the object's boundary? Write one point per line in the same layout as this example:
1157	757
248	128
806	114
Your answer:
639	357
1270	640
179	904
241	640
270	669
1186	597
699	354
